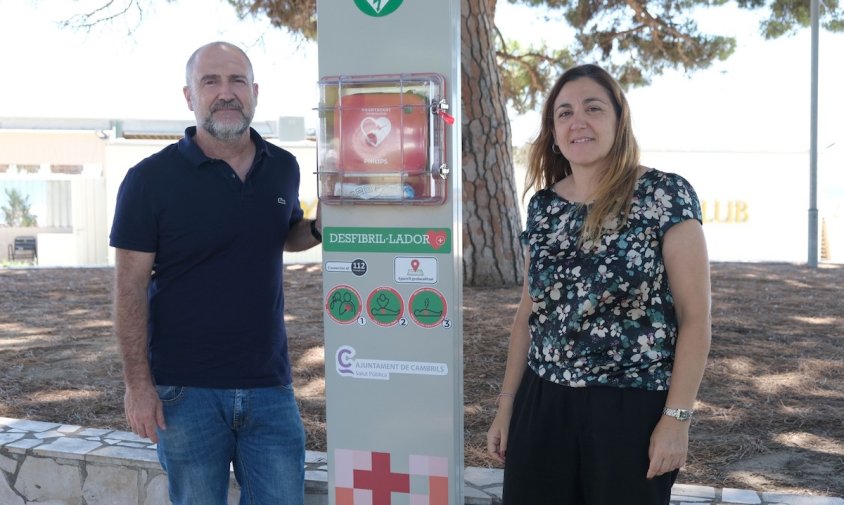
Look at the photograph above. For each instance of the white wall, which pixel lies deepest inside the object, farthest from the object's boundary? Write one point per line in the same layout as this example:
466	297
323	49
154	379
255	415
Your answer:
762	201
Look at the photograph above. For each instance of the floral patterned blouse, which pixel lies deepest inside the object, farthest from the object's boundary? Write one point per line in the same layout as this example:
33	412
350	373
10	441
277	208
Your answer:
605	316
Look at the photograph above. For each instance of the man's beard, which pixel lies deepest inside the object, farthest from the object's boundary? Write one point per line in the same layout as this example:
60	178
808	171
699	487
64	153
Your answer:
226	131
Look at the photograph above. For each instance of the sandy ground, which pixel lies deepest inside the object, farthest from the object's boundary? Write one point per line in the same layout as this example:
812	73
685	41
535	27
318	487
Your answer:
770	412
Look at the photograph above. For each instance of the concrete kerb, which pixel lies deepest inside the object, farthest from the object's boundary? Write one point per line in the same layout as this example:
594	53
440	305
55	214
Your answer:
66	464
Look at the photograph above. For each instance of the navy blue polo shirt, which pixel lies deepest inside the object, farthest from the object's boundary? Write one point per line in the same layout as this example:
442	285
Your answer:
216	305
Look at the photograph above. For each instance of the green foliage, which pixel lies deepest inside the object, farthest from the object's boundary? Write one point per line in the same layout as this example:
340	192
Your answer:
636	40
788	16
17	213
526	69
296	16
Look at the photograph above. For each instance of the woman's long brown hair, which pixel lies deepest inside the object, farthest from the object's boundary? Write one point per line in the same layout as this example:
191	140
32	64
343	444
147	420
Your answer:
611	200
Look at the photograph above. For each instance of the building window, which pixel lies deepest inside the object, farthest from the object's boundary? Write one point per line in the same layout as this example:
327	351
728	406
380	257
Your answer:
28	169
66	169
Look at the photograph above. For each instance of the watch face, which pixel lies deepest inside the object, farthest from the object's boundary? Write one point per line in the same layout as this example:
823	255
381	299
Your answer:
679	414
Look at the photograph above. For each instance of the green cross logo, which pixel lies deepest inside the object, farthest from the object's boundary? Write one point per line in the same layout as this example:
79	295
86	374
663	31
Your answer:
378	8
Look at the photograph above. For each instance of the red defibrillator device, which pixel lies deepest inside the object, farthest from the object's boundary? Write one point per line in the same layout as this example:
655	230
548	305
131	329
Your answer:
382	140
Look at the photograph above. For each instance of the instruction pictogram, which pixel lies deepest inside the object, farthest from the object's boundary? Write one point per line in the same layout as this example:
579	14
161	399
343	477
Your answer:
385	306
343	304
427	307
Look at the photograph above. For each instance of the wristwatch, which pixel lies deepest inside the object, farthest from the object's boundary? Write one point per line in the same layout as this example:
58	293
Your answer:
678	414
316	233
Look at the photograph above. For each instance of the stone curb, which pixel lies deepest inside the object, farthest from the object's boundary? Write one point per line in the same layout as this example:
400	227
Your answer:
52	446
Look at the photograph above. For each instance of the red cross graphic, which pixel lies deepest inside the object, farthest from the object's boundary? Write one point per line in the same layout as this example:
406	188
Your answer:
381	480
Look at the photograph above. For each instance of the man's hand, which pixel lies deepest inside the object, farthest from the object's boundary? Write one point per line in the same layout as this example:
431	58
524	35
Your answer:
144	411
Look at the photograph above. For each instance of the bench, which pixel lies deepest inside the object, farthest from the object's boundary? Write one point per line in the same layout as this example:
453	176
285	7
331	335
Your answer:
24	248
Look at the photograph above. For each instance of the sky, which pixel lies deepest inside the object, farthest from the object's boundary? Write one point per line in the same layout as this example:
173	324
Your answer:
758	100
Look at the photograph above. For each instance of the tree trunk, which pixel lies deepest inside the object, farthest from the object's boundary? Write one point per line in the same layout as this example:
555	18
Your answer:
492	254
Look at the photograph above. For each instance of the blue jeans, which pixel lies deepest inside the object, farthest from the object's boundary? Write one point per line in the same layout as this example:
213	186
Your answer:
258	431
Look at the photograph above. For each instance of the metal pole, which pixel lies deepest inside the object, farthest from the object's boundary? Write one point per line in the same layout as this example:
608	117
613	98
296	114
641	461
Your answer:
813	147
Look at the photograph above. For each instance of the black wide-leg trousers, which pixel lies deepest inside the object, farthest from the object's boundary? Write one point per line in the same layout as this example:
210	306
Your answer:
582	446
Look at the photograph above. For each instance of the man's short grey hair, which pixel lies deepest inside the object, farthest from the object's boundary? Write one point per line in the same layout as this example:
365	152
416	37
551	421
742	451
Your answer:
195	55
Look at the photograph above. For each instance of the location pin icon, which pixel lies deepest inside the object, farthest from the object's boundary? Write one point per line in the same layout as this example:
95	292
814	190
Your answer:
414	264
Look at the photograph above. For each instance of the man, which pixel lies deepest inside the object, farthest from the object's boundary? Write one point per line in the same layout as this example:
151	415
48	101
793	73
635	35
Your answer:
199	231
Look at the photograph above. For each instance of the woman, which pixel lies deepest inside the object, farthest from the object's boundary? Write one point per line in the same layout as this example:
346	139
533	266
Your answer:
611	336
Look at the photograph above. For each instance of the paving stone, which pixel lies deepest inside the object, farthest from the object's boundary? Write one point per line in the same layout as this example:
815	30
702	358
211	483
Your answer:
67	447
24	443
8	465
25	425
740	496
495	491
481	477
116	455
68	429
42	479
316	476
474	496
49	434
684	491
157	491
94	432
801	500
110	485
136	445
8	495
148	474
323	467
127	436
8	438
315	457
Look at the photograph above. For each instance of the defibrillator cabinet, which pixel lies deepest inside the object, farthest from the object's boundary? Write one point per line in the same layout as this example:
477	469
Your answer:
381	139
